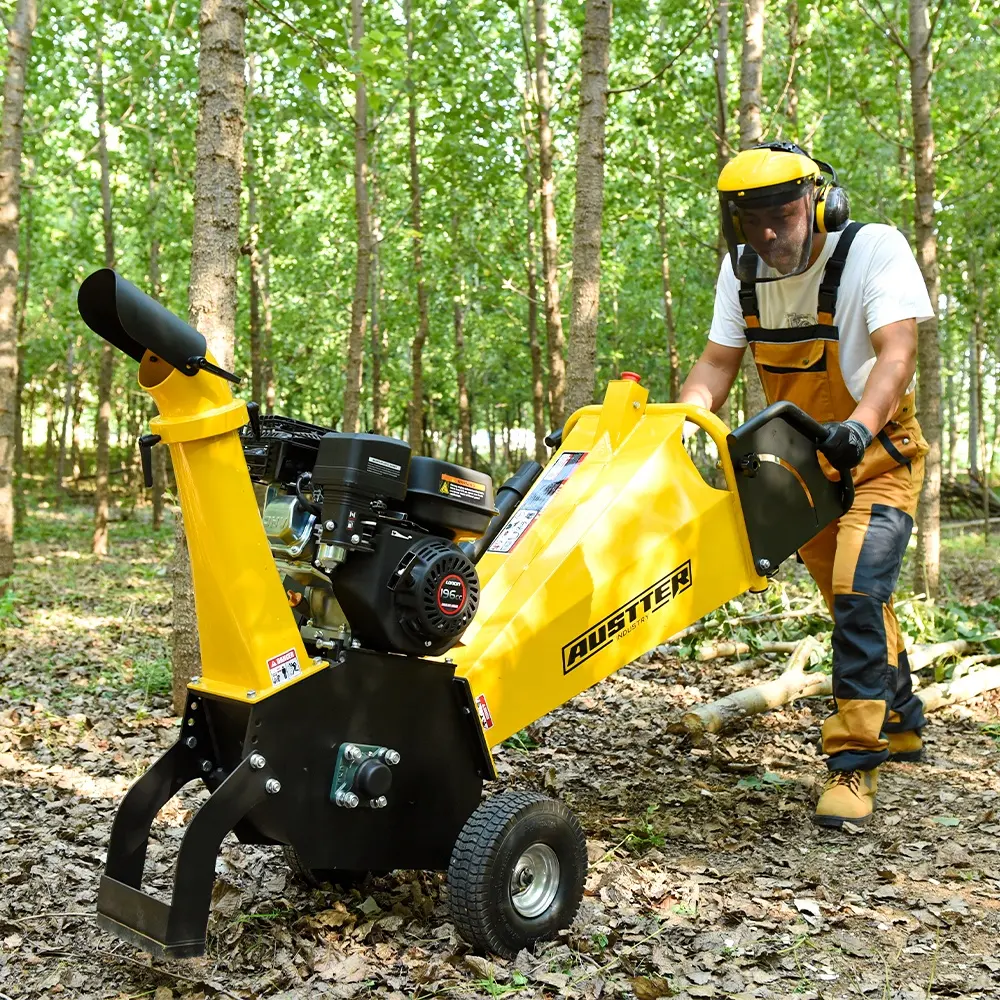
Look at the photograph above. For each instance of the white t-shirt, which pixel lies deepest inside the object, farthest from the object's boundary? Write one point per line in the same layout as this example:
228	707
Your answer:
881	284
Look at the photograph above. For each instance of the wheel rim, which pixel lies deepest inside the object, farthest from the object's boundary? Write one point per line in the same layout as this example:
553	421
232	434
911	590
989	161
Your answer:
534	883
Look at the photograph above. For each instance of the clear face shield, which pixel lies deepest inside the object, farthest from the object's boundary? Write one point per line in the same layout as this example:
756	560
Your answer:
778	227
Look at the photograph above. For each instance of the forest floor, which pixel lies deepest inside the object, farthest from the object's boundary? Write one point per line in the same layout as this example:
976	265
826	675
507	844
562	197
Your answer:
707	877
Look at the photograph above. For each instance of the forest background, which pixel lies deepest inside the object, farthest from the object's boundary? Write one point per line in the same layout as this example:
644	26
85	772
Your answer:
453	222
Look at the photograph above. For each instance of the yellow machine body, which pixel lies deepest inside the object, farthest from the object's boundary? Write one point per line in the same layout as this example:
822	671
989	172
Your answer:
245	627
607	560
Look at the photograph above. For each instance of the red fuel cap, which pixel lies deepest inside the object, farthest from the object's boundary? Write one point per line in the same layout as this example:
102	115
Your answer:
631	376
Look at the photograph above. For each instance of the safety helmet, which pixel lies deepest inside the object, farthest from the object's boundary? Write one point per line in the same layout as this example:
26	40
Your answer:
772	174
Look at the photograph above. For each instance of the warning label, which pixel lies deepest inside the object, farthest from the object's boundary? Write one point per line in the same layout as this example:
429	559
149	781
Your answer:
462	489
484	712
283	667
537	499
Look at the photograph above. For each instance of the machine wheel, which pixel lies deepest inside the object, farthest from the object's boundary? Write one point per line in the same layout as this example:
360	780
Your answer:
517	872
318	877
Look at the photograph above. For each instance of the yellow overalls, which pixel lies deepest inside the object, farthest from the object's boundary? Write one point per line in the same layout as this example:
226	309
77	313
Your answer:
856	560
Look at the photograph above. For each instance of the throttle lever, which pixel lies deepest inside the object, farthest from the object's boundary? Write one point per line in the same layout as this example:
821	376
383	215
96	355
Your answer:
146	443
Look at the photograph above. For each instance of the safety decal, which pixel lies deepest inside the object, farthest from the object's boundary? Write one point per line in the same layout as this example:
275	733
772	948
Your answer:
462	489
624	619
484	712
545	488
284	667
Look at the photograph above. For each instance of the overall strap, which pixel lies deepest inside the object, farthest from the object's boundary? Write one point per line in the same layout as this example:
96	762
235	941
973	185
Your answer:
749	305
830	285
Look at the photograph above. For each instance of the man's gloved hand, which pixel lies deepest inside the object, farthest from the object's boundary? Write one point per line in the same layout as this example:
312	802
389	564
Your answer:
845	445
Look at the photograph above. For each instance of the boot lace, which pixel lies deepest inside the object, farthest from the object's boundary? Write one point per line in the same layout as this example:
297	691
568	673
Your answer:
852	779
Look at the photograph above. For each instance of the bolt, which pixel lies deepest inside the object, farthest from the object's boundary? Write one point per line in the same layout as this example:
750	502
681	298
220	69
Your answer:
196	680
449	661
190	743
355	539
355	644
330	525
206	766
257	761
635	406
346	799
763	565
380	803
427	642
272	786
391	756
251	693
351	753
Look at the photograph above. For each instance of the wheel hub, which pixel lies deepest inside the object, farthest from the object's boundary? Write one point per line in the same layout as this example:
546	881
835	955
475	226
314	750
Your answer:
534	883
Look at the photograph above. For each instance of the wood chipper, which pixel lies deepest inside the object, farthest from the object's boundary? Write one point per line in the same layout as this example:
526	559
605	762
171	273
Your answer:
381	620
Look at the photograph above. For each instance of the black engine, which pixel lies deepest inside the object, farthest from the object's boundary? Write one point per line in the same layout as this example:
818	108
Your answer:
367	537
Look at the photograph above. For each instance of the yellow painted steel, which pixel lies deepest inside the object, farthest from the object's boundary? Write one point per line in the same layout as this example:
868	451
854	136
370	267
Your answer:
631	548
243	615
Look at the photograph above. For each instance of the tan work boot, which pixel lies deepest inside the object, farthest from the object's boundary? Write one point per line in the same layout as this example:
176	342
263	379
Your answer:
848	796
905	746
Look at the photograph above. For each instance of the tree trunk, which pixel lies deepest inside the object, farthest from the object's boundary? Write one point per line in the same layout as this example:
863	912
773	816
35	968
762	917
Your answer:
105	379
214	255
974	407
581	362
464	412
929	379
250	248
380	341
423	320
722	127
668	299
159	454
359	305
792	93
555	341
531	268
751	132
11	137
22	318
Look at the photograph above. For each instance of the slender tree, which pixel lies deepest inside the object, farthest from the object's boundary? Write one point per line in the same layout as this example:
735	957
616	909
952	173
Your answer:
423	318
928	348
751	132
555	341
362	266
588	213
379	338
214	253
531	274
106	377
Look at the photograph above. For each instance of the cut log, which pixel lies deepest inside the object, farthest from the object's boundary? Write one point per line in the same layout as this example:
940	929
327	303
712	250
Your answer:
727	647
954	692
793	682
921	656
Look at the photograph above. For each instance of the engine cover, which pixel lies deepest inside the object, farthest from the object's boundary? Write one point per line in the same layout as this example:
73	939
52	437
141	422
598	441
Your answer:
414	593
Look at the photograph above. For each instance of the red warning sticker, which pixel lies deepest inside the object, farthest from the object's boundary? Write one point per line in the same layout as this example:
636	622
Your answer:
283	667
484	712
545	488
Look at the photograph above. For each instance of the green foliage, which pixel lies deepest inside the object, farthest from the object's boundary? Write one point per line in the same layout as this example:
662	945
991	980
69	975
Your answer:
761	783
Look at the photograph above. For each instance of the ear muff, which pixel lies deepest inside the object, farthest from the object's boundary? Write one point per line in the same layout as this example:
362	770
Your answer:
833	209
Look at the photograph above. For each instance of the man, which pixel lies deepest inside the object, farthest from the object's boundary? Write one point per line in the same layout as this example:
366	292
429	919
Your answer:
830	309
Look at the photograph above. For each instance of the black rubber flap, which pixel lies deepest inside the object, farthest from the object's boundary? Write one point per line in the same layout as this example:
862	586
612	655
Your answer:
134	323
785	496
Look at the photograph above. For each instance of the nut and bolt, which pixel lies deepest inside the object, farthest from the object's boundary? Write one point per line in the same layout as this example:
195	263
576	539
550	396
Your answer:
257	761
355	644
191	742
380	803
351	753
763	565
196	680
355	539
330	525
251	693
272	786
206	766
391	756
346	799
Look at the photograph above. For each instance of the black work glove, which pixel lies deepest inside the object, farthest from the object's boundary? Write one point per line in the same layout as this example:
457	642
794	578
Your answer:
845	444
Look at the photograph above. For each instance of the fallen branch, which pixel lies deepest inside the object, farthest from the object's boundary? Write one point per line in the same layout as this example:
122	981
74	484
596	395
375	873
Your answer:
727	647
814	610
742	667
793	682
963	689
